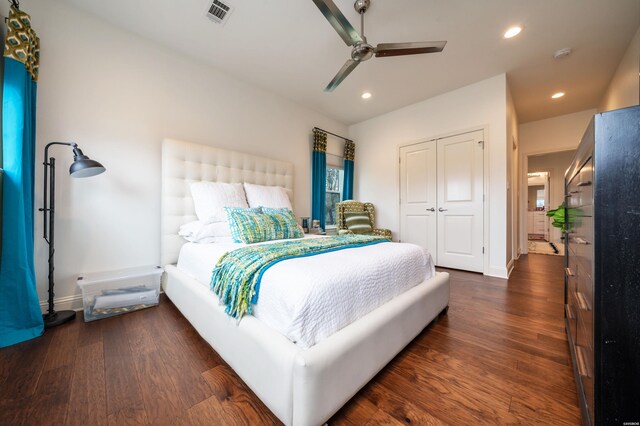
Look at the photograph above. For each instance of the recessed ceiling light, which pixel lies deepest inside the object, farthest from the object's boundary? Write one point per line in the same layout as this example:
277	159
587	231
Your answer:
557	95
512	32
366	95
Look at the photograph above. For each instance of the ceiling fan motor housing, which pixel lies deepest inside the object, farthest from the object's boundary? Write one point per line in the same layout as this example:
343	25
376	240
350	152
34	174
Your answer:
362	51
361	6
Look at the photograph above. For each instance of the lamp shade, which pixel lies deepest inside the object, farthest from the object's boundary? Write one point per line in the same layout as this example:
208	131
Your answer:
84	166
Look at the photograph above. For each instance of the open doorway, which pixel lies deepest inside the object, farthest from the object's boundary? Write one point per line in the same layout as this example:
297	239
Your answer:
537	206
544	182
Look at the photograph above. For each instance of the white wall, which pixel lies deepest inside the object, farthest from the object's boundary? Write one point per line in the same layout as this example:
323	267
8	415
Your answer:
118	95
554	134
471	107
624	89
513	191
556	164
562	133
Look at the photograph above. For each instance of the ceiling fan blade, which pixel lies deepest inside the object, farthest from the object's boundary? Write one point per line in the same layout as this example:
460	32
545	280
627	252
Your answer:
399	49
342	74
338	21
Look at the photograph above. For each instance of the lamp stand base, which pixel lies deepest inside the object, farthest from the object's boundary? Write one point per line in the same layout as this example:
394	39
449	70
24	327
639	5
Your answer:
58	318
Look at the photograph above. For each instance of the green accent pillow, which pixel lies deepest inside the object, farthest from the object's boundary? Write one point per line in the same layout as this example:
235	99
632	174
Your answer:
285	220
358	223
241	220
261	224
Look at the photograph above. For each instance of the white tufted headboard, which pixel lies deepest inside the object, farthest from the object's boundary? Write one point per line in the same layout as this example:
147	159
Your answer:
185	162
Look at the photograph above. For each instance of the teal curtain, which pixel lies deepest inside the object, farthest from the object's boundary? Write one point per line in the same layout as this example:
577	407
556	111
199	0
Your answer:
349	158
20	315
319	177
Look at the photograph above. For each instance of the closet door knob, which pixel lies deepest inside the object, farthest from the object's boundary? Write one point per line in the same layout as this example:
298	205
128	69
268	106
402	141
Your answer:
442	210
431	209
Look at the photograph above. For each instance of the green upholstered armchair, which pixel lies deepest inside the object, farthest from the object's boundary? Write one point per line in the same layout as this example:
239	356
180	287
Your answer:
350	206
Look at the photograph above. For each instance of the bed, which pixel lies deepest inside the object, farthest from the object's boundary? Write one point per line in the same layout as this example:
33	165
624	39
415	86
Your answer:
300	385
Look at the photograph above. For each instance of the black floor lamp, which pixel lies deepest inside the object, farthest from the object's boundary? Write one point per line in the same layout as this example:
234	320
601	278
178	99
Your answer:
82	166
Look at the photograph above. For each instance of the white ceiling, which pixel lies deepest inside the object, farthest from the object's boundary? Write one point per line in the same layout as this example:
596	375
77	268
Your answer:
287	47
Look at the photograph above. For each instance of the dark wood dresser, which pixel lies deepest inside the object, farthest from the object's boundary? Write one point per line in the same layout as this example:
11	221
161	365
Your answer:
602	275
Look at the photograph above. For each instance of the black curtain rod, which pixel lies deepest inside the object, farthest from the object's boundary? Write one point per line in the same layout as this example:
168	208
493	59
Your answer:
328	132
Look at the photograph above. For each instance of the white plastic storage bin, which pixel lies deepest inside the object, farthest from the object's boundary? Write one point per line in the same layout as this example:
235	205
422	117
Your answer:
106	294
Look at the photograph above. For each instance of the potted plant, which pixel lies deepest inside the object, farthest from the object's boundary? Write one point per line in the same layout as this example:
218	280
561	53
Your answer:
559	215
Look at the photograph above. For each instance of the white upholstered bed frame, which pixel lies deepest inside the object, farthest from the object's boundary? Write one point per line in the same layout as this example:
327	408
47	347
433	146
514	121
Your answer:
300	386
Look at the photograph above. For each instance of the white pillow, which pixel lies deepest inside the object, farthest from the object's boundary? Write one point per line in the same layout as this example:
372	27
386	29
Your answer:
224	240
274	197
199	232
210	199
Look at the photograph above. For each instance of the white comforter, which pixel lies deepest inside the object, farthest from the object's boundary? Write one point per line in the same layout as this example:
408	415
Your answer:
307	299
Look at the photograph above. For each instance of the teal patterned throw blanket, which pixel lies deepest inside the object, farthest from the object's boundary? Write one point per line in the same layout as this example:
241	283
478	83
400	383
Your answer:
236	278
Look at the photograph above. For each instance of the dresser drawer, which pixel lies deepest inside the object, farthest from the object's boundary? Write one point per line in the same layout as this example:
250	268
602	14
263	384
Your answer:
579	224
584	361
585	186
585	183
584	285
572	316
571	249
586	210
573	194
580	189
581	235
585	176
585	356
581	243
584	229
584	321
572	267
572	287
587	385
584	259
585	197
579	196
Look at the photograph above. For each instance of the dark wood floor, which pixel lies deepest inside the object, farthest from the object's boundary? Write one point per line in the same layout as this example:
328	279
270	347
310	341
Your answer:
499	356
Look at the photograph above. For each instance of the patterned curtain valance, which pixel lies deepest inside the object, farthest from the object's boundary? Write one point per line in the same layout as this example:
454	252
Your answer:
319	176
319	141
349	150
22	43
349	165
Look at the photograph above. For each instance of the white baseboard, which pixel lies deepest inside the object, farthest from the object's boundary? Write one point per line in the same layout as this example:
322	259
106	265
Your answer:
498	272
510	267
65	303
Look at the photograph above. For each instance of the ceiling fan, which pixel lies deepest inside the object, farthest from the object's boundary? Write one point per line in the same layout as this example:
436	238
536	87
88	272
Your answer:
362	50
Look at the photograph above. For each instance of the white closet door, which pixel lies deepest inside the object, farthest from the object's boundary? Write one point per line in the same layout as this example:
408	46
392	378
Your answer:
418	195
460	202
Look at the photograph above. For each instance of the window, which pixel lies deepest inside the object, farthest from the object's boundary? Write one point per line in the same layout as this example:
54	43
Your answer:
333	194
540	198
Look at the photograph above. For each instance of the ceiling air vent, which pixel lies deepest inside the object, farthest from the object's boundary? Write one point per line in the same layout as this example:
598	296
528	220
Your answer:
219	12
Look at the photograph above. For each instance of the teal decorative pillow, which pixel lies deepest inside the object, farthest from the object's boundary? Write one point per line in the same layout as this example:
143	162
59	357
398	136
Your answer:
242	221
358	223
262	224
285	221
